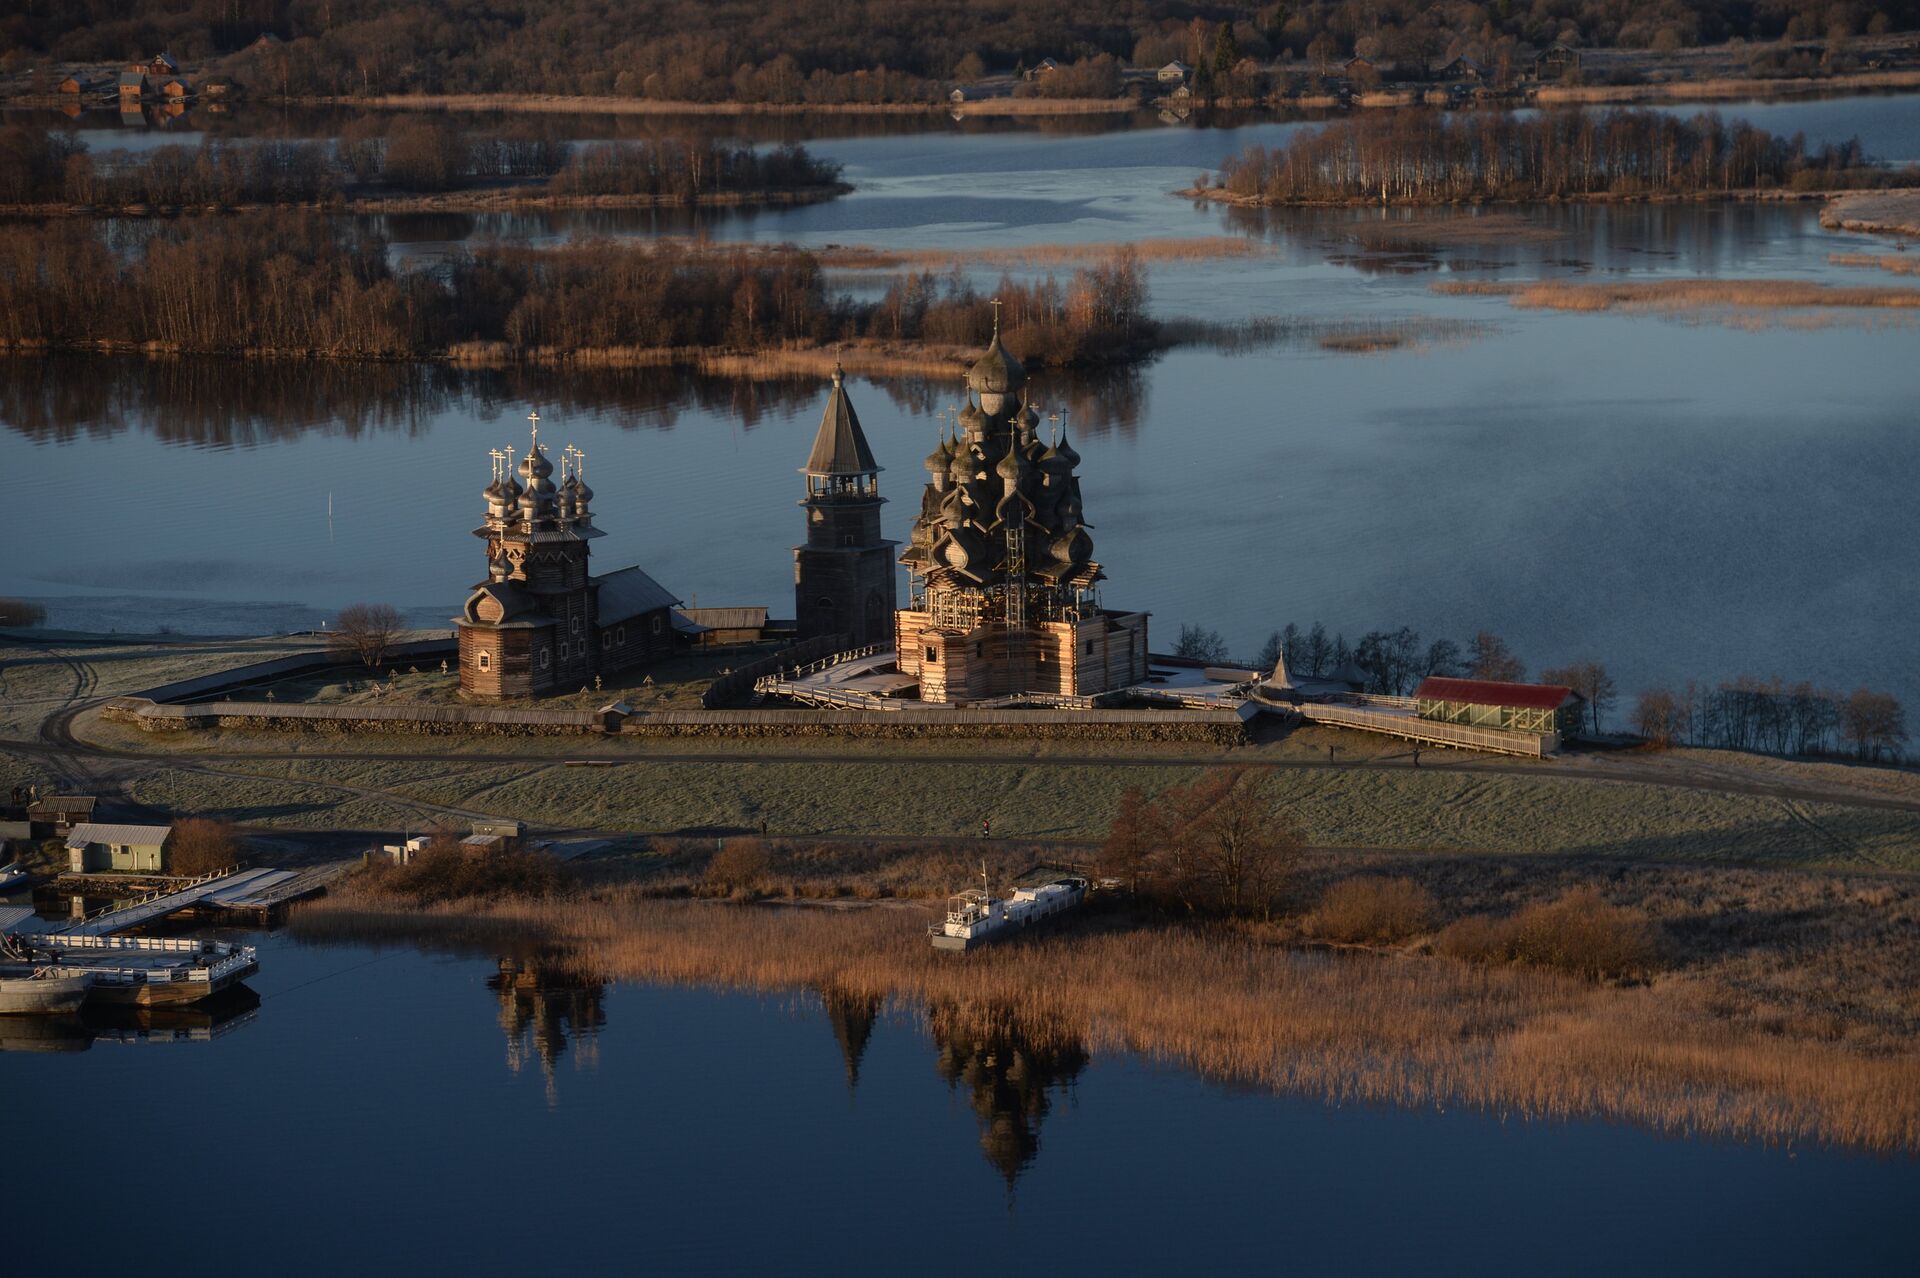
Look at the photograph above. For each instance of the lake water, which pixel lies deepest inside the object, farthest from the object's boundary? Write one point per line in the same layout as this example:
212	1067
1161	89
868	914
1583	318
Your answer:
389	1111
1681	495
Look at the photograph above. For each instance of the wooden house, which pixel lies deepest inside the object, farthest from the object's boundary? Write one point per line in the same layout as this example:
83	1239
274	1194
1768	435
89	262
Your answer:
73	84
1046	67
162	67
1173	74
173	89
132	86
138	849
1462	70
727	627
1556	62
57	814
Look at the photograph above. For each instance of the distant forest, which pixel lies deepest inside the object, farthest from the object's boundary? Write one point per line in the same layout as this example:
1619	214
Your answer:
408	155
823	51
1416	157
300	284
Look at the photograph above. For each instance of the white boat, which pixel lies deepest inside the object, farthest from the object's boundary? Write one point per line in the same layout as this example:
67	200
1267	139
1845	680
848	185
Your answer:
147	970
41	991
975	916
12	876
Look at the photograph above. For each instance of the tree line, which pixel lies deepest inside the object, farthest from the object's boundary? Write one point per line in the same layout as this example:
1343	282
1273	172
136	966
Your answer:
300	283
1420	156
404	155
824	52
1771	716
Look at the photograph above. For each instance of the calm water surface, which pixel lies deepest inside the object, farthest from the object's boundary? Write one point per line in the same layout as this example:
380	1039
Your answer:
395	1113
1682	495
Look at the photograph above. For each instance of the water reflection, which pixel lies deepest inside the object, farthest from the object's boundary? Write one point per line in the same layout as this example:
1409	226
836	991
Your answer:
1013	1073
209	402
545	1005
852	1017
232	1009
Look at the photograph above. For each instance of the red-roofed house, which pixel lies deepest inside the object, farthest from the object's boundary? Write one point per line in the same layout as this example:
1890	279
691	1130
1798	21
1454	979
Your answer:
1483	703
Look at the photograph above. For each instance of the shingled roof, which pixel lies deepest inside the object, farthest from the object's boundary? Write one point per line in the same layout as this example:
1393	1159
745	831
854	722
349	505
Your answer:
841	446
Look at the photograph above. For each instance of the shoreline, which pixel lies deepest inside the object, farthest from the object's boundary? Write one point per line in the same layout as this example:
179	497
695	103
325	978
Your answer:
1388	97
1751	195
1279	1007
1890	213
486	200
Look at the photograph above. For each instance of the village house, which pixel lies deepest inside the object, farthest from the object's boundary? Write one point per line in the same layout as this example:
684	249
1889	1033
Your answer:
1462	70
726	627
1556	62
56	815
1045	67
132	86
173	89
1173	74
139	849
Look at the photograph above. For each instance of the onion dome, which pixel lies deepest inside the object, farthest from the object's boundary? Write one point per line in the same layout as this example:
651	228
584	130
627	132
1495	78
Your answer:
941	458
581	496
996	372
536	469
498	569
1065	450
972	420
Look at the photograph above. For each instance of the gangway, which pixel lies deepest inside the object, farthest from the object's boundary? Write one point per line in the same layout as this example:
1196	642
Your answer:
232	881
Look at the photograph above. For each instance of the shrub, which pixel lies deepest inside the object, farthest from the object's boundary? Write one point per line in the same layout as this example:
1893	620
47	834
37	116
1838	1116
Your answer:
200	846
1371	909
739	866
445	871
21	612
1576	932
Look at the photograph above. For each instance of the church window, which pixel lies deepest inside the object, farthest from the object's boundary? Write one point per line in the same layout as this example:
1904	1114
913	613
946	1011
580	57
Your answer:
933	655
846	539
1089	647
825	603
573	623
620	635
484	660
606	641
546	658
659	624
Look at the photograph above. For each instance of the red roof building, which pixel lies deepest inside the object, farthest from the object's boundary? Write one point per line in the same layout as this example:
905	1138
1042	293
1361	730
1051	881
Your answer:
1485	703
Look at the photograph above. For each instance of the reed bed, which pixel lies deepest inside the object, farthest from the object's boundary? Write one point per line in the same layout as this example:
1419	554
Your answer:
1684	1052
1695	294
1892	263
855	257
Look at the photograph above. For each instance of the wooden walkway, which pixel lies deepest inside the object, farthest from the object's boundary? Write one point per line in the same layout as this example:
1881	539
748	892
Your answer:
172	900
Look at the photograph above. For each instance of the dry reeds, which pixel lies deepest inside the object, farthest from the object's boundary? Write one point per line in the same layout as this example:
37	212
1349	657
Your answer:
1695	294
855	257
1892	263
1686	1053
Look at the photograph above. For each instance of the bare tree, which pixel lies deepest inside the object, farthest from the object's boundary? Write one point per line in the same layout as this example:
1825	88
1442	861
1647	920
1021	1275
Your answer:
1874	723
1488	657
366	631
1226	845
1658	717
200	845
1591	680
1132	838
1201	644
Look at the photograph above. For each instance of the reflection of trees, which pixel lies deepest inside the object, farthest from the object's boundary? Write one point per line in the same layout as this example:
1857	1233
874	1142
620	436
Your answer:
1012	1068
544	1006
247	403
1097	401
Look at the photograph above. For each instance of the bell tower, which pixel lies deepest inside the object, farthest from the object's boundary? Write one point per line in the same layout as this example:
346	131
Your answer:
843	577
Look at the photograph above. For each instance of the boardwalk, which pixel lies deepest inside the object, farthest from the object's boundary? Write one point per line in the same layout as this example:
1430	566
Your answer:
236	885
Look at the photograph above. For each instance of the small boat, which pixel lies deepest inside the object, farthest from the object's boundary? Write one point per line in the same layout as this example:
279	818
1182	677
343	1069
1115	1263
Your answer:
41	991
975	916
12	876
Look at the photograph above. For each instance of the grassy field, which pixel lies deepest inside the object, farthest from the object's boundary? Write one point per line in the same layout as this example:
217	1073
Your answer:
1028	799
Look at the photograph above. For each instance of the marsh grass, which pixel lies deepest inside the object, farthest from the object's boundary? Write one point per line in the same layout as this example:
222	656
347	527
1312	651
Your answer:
1679	1054
1697	294
1892	263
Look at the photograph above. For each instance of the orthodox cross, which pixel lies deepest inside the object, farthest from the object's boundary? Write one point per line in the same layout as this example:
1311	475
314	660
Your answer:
996	316
534	417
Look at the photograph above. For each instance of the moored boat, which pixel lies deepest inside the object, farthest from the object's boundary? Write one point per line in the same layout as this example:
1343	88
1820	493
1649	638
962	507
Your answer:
975	916
27	990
